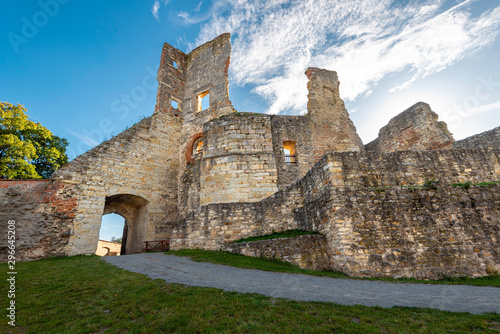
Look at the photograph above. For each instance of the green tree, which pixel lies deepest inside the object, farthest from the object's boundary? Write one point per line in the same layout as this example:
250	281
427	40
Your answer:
118	240
27	149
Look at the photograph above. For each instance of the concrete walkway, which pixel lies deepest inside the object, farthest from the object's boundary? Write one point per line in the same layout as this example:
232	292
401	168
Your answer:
456	298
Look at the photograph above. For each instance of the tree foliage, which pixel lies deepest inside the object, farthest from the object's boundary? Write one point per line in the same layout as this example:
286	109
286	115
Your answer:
115	239
28	150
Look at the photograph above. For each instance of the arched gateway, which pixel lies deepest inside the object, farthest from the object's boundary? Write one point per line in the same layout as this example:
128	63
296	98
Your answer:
134	209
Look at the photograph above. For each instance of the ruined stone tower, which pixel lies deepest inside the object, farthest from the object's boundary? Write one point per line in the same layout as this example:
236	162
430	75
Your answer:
202	175
332	129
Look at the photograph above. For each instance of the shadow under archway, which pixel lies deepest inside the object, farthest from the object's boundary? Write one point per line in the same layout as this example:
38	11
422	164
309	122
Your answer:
134	209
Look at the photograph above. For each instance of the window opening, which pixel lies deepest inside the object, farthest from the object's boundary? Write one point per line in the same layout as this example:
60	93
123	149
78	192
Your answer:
203	101
289	148
175	104
198	146
174	64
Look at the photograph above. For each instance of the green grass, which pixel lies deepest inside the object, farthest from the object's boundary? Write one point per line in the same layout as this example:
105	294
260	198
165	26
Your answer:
84	294
277	235
247	262
487	184
466	185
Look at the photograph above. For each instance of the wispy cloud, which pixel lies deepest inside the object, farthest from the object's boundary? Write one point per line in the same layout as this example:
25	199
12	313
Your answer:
218	7
274	41
198	8
485	108
85	139
156	8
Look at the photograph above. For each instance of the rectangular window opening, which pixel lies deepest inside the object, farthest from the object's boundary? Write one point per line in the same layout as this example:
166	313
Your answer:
203	101
289	148
175	104
174	64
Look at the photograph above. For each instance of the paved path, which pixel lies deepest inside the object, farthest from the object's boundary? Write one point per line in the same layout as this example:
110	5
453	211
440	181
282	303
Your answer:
456	298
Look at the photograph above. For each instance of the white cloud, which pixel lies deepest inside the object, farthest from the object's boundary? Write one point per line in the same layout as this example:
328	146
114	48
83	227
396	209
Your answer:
217	7
85	139
274	41
485	108
156	8
198	8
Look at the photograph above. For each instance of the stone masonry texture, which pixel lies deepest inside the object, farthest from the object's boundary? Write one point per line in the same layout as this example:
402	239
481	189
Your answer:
43	212
204	176
417	128
488	139
306	251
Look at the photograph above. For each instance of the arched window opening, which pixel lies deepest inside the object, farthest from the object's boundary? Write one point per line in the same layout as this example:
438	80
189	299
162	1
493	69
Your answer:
289	148
112	235
198	146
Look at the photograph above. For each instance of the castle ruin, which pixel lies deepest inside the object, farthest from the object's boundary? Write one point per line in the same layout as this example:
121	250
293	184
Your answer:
204	177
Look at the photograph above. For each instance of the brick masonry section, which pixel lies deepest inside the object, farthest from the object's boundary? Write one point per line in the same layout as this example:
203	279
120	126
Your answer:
306	251
43	212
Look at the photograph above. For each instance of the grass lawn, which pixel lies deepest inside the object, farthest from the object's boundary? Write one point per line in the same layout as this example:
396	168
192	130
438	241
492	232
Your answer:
84	294
241	261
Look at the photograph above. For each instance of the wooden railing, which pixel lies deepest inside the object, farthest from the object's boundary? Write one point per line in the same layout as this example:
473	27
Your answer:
157	246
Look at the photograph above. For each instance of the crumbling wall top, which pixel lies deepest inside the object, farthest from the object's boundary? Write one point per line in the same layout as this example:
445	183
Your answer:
415	129
218	41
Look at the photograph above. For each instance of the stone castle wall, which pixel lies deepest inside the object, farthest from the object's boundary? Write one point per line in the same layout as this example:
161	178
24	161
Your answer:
415	129
207	71
238	162
108	248
415	167
296	129
171	79
210	226
43	212
485	140
389	232
305	251
369	205
140	162
426	234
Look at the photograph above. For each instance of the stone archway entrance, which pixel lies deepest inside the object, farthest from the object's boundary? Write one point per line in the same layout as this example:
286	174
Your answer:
134	209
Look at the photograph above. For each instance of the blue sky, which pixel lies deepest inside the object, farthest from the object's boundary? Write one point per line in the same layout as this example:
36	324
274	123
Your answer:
86	69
